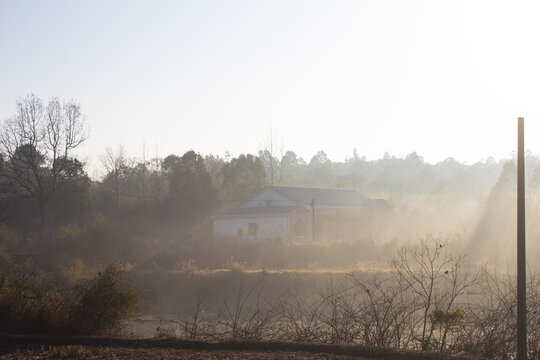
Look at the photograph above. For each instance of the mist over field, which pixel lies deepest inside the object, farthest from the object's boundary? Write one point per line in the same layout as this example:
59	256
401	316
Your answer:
258	247
306	176
146	210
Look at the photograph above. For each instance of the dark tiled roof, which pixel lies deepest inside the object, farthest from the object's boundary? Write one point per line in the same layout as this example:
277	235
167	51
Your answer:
258	210
304	196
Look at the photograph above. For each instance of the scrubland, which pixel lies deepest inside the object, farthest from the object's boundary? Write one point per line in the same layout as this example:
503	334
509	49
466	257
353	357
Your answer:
428	296
441	283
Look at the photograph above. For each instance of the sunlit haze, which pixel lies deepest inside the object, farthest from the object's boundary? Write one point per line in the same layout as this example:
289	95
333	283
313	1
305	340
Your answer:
269	179
444	79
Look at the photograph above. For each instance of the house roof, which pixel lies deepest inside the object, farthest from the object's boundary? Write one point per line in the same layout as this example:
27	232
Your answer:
258	210
305	196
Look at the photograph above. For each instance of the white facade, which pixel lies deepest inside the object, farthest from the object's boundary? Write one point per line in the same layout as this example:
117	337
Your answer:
266	228
267	215
299	215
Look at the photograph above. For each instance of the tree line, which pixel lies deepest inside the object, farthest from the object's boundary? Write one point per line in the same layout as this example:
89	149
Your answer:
49	203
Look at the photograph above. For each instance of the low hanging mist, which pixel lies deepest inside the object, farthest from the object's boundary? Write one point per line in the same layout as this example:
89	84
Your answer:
142	207
153	218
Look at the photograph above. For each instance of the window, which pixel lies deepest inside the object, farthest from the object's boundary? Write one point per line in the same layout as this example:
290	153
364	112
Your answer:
252	229
299	228
268	203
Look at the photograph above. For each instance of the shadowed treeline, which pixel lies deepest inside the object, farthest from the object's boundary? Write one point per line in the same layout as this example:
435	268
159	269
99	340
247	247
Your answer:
154	216
52	212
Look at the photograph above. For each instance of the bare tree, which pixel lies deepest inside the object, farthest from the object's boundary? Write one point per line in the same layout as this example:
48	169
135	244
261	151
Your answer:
271	154
157	182
36	143
115	164
436	278
385	310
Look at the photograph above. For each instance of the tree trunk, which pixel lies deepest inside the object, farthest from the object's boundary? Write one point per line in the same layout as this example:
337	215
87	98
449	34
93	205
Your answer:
41	205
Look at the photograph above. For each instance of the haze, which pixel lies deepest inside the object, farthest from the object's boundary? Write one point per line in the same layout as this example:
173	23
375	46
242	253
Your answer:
268	173
439	78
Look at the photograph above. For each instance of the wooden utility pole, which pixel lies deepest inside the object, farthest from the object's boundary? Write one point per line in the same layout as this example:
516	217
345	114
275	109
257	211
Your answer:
521	258
143	179
312	220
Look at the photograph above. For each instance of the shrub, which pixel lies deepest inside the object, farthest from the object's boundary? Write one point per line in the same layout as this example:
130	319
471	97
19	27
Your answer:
92	307
29	305
103	303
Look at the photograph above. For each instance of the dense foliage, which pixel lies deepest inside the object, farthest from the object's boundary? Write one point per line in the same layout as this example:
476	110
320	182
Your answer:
52	212
32	304
154	214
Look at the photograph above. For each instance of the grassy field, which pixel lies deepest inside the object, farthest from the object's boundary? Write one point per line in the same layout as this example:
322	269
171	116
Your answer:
92	352
43	347
140	354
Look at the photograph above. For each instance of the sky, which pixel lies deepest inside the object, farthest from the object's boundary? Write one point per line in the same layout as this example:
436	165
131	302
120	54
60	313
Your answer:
442	78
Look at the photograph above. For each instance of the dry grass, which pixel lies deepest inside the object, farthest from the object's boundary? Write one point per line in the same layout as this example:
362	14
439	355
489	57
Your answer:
90	352
43	347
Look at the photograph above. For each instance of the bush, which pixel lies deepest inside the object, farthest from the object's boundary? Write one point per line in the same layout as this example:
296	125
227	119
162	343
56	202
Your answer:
102	304
30	305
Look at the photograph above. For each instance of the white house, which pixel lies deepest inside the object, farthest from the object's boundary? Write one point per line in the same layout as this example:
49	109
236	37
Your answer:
295	214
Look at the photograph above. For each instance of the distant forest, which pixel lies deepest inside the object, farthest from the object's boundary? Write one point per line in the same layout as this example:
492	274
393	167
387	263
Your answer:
50	206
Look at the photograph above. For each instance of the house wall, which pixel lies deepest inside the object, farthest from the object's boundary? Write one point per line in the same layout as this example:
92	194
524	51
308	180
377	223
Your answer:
268	227
294	217
276	200
383	225
331	223
343	224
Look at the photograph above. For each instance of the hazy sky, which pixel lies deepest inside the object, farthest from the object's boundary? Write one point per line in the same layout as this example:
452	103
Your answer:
443	78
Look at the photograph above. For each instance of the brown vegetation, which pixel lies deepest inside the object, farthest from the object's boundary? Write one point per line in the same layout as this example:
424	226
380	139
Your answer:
153	215
30	304
432	299
16	347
